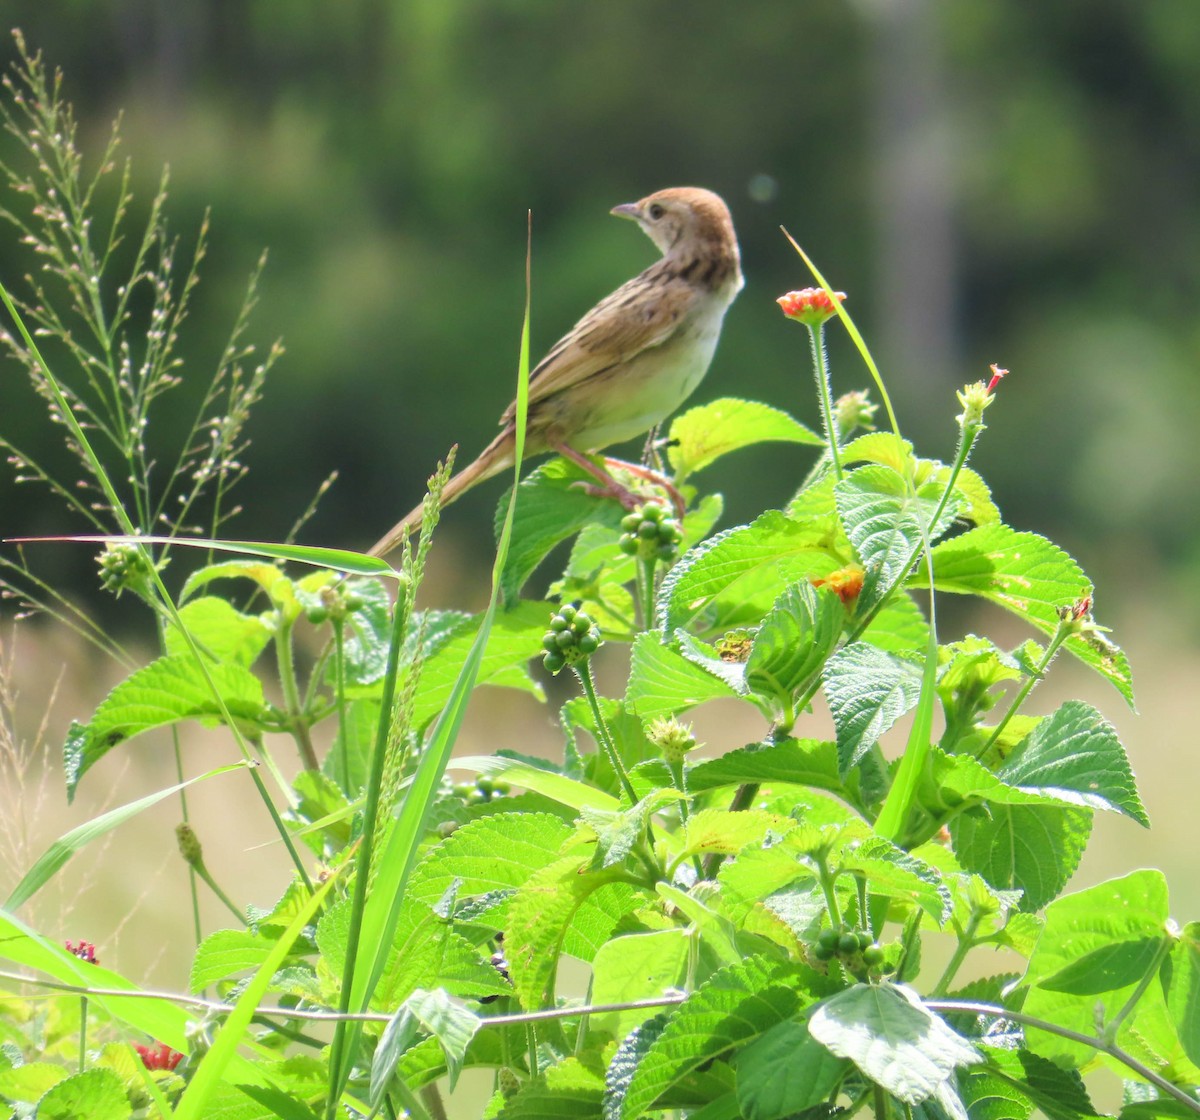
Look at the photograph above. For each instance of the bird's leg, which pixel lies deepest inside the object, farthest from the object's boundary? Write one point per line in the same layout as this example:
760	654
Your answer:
611	488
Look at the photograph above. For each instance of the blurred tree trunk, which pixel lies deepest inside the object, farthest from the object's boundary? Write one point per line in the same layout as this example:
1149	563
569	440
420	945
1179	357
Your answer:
914	194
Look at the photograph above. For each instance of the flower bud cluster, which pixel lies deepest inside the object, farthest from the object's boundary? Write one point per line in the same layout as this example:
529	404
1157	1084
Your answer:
811	306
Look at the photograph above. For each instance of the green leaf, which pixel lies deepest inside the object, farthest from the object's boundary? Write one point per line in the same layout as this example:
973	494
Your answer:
1182	982
663	682
726	566
368	632
793	643
493	854
891	871
339	559
1076	756
806	762
57	855
784	1072
1031	848
567	1088
1105	925
226	953
732	1007
538	917
1025	574
1058	1092
891	1036
635	967
97	1094
540	779
434	1012
514	638
702	435
31	1081
220	631
221	1058
867	690
899	627
550	508
885	521
166	691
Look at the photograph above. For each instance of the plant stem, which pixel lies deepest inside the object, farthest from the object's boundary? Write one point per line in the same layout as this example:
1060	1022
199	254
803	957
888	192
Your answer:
1105	1046
827	880
583	671
816	335
645	584
1056	640
1114	1024
966	942
297	723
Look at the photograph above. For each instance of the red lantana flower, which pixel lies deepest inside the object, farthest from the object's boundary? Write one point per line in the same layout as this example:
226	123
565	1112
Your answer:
84	950
809	305
159	1057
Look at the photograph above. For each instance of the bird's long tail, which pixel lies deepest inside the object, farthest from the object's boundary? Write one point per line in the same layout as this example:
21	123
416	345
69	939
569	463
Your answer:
494	458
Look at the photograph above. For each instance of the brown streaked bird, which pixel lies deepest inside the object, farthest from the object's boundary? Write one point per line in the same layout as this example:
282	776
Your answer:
635	357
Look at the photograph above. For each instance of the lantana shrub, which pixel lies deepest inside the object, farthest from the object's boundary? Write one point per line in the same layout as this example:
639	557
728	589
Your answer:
754	920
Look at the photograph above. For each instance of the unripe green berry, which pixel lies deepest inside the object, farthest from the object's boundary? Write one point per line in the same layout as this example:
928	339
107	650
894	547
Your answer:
828	938
848	943
822	952
630	522
567	614
865	939
872	956
558	623
589	643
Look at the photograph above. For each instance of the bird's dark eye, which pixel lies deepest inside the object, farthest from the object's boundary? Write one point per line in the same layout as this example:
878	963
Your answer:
655	211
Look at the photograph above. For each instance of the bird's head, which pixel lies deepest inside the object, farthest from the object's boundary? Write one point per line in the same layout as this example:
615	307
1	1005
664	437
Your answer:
684	222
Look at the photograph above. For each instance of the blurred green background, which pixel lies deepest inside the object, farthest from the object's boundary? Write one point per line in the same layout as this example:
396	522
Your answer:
989	181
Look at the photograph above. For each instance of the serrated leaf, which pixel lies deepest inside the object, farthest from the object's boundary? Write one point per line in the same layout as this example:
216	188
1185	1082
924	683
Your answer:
899	627
867	690
567	1088
891	871
1088	924
793	643
97	1094
1058	1092
368	633
1075	755
1182	982
1031	848
806	762
164	692
221	631
634	967
702	435
885	521
550	508
515	637
892	1038
732	673
538	918
720	565
434	1012
733	1006
663	682
226	953
784	1072
490	855
1030	576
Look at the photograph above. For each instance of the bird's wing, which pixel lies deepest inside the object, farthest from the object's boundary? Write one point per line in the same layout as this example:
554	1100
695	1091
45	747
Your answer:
640	314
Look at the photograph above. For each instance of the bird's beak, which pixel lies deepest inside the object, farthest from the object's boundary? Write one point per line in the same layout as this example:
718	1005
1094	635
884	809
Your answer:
627	210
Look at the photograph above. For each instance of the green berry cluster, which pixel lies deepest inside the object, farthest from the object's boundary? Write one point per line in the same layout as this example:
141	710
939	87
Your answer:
125	567
481	790
334	601
850	945
651	533
572	637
